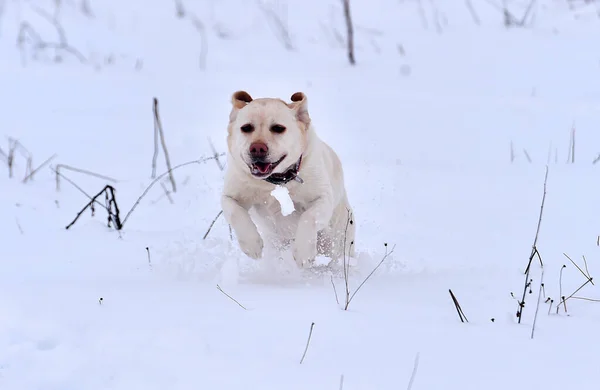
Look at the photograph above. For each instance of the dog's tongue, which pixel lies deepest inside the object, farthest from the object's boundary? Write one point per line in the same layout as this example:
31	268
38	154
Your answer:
263	167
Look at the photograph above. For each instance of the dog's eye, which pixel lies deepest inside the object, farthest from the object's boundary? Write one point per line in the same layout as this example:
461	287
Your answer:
247	128
277	128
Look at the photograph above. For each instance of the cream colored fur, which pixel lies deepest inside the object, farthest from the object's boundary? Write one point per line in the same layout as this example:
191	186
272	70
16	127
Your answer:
320	224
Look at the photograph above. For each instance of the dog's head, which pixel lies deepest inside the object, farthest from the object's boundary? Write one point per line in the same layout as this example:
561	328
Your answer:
267	135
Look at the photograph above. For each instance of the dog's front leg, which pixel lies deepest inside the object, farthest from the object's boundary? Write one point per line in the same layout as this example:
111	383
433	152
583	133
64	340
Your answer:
245	230
314	219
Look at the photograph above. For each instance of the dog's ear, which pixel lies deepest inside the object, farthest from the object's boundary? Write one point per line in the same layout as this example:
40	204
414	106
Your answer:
300	106
238	100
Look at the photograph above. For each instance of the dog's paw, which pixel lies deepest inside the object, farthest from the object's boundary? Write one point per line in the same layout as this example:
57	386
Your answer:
305	247
252	247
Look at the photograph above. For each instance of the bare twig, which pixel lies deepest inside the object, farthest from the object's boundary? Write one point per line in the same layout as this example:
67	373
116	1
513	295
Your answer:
34	171
385	256
538	304
335	291
27	34
212	224
561	296
111	206
414	372
137	202
86	172
276	19
199	26
473	12
216	155
527	156
349	32
341	382
346	262
459	309
230	297
534	250
78	188
564	300
167	192
179	9
4	155
161	133
550	307
586	299
307	342
19	226
586	275
512	152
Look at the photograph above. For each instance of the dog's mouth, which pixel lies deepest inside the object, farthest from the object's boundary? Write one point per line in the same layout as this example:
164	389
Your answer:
262	169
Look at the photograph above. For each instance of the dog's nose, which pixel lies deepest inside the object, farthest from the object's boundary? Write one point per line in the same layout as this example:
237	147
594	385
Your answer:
258	150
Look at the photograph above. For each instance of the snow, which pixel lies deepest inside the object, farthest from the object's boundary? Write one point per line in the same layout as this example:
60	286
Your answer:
283	197
425	125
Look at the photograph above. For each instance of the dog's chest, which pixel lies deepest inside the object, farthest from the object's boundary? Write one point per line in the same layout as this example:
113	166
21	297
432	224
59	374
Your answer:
271	206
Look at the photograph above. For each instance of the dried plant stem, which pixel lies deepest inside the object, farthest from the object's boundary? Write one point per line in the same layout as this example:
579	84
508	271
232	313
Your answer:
414	372
307	342
79	170
34	171
137	202
534	252
346	262
335	291
159	128
111	206
459	309
537	308
230	297
349	32
79	188
586	275
212	224
385	256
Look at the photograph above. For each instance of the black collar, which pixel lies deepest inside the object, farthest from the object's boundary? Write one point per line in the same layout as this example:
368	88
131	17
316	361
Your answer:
286	176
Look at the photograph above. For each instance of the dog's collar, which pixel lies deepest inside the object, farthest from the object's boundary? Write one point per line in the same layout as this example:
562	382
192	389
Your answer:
286	176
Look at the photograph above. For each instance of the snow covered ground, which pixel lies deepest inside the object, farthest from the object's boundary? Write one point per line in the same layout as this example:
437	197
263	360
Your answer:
444	126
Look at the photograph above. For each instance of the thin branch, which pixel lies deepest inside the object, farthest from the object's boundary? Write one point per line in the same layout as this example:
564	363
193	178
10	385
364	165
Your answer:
538	304
167	192
346	262
586	275
216	155
459	309
414	372
335	291
564	300
561	296
137	202
230	297
349	32
307	342
84	171
537	231
212	224
78	188
33	172
161	133
586	299
387	254
149	259
111	207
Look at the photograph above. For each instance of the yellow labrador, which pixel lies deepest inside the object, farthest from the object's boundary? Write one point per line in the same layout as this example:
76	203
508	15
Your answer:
272	143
